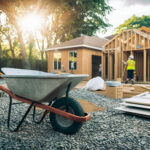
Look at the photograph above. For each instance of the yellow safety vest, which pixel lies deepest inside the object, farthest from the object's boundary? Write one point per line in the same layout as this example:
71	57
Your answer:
131	65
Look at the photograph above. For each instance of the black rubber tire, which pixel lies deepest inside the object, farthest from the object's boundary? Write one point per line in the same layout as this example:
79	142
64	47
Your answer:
75	108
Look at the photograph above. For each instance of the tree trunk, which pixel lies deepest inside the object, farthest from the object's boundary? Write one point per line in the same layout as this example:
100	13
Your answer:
42	50
11	48
25	61
30	53
1	52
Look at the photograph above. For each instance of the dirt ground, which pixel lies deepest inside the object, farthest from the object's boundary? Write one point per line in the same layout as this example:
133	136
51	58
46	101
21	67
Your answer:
89	107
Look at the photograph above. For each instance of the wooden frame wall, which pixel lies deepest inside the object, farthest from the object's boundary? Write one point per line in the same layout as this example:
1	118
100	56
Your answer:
121	46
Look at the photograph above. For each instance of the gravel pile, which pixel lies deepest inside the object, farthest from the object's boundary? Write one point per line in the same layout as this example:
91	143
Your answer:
110	129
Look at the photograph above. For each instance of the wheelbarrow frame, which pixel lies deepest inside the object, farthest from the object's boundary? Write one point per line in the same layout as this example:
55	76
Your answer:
45	107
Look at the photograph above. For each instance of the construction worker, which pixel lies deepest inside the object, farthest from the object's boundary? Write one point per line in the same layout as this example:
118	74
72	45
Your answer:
130	69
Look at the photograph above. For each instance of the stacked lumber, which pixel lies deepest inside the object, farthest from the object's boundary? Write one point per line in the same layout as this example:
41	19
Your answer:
130	90
114	92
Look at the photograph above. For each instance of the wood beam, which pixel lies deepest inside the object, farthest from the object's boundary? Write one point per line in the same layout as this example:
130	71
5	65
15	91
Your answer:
108	64
127	36
144	67
148	64
120	56
131	40
103	64
123	47
116	61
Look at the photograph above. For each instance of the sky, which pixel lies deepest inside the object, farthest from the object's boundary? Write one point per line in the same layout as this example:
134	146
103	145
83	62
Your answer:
123	10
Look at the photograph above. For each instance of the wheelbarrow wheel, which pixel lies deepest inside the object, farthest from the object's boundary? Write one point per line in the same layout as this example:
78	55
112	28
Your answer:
65	125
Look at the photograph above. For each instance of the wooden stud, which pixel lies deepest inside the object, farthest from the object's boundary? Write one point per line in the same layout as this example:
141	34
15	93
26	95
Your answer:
103	64
148	65
144	67
116	61
108	64
123	45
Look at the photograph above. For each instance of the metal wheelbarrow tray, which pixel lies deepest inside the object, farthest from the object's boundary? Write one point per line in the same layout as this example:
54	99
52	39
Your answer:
36	88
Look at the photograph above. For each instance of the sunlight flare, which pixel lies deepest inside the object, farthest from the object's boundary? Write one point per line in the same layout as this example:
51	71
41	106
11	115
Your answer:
31	22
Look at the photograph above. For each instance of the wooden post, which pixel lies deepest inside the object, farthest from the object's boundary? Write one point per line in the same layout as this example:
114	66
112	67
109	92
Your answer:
135	41
144	67
148	64
120	56
116	61
108	64
131	40
110	67
127	37
103	65
123	49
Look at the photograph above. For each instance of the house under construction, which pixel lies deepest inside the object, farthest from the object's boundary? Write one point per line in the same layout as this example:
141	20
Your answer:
118	49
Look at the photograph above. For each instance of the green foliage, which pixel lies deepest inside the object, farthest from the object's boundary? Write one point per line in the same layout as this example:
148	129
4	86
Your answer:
76	17
16	63
64	20
134	23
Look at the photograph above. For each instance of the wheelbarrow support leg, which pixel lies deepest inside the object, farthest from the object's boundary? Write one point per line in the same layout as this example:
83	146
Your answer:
67	95
43	116
23	118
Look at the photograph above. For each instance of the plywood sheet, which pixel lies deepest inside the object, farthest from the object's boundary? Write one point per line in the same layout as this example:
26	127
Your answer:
135	100
136	105
141	112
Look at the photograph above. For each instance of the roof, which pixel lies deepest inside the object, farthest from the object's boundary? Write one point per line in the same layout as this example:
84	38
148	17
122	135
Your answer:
110	37
93	42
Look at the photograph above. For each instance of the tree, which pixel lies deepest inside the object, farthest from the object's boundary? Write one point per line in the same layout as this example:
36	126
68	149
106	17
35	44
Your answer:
8	31
70	18
78	17
134	23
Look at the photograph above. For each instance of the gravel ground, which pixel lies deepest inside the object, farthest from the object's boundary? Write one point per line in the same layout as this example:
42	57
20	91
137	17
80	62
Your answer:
106	130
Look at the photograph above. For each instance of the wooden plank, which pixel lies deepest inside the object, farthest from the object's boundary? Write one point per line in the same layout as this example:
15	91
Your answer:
104	67
144	67
127	35
110	75
123	67
129	94
145	29
148	65
131	44
116	60
114	92
108	65
120	56
102	63
142	34
135	41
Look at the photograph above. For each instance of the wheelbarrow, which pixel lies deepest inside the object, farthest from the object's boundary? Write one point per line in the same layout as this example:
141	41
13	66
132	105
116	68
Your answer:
46	91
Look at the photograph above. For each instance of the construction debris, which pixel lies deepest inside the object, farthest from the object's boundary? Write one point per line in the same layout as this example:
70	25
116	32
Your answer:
94	84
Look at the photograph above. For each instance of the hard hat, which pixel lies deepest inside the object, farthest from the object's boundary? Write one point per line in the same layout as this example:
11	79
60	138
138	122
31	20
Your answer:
131	56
